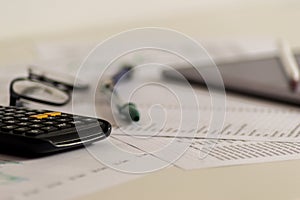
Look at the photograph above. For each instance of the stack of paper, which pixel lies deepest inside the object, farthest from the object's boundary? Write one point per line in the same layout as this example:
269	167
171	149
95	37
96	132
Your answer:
253	131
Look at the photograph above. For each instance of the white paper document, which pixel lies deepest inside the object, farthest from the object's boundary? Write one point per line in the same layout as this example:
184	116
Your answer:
66	175
253	130
245	119
221	153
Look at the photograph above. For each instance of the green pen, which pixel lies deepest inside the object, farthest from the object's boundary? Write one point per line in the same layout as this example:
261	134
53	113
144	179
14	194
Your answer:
128	110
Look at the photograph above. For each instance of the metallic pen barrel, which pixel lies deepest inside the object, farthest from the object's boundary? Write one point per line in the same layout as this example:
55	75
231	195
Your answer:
128	110
289	64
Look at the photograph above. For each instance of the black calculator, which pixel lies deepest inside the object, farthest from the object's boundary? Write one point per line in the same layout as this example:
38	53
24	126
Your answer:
43	131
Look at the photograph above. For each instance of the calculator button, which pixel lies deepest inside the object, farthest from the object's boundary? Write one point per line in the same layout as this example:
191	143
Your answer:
8	128
19	115
20	130
52	118
24	124
39	116
53	114
31	113
10	107
34	132
7	118
20	112
36	126
11	122
9	114
63	125
50	123
49	128
64	120
24	118
36	121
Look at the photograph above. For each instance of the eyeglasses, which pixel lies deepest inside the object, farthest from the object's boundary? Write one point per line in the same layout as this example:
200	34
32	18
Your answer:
43	87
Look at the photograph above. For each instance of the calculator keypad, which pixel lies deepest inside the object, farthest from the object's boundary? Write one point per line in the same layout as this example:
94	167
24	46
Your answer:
28	122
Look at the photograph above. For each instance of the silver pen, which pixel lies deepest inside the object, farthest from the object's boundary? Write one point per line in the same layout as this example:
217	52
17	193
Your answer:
289	64
126	110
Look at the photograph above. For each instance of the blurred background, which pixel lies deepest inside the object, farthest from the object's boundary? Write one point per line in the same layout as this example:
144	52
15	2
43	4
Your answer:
39	29
34	20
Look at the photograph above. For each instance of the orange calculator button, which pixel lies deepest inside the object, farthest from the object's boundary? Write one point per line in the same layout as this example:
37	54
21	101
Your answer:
53	114
40	116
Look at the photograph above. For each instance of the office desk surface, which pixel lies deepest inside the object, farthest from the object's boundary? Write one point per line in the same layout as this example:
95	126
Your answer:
278	180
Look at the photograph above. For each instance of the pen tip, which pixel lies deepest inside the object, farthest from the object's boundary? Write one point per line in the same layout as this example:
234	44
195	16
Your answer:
133	112
130	111
294	85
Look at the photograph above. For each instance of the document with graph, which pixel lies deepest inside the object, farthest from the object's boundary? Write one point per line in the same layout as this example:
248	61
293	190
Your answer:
245	118
203	153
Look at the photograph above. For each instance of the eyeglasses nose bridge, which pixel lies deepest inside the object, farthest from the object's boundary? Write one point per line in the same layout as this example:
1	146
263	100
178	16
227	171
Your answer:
13	99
